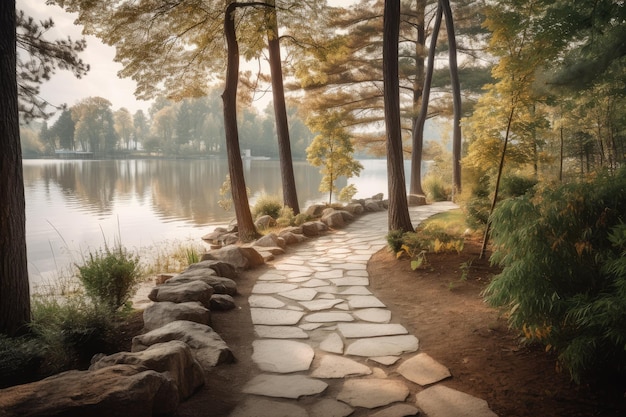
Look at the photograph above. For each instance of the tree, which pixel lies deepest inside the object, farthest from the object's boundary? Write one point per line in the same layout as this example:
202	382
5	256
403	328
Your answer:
94	125
14	286
332	150
63	130
399	218
140	124
123	126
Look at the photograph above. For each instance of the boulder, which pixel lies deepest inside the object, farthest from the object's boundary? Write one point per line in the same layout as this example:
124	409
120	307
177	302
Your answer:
230	238
222	302
220	285
160	314
371	205
252	255
270	239
416	200
221	268
120	390
292	238
378	197
215	235
291	229
183	292
173	357
354	208
265	222
315	210
206	345
162	278
311	229
229	254
333	219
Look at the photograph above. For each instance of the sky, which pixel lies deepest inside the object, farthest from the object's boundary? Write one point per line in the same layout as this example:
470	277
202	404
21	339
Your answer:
100	81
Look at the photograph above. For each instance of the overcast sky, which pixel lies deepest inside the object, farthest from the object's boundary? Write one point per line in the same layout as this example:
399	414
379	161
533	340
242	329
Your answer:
102	79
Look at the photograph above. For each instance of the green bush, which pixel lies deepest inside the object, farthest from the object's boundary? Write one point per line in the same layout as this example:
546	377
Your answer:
516	185
110	275
267	205
300	219
394	240
20	359
436	189
563	282
478	204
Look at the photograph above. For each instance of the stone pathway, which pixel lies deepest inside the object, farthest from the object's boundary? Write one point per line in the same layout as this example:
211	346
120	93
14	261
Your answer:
327	347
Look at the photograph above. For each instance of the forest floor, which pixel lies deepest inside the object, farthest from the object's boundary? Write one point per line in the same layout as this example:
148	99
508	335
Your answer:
444	308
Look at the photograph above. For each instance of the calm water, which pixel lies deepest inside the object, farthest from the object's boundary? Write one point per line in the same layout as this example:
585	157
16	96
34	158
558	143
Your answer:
73	206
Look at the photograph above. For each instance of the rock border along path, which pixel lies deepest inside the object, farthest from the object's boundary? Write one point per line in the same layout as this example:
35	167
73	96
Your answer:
327	347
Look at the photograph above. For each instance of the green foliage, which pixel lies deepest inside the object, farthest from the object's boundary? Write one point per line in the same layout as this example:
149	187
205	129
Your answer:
300	219
347	193
109	276
563	282
19	358
436	189
394	240
267	205
516	185
285	217
478	204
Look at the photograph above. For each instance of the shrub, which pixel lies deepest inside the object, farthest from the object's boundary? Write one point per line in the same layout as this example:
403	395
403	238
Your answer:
436	189
516	185
267	205
285	217
20	358
347	193
563	281
109	276
478	204
394	240
300	219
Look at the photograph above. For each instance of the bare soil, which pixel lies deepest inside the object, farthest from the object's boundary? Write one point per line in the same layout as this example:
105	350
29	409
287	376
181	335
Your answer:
443	307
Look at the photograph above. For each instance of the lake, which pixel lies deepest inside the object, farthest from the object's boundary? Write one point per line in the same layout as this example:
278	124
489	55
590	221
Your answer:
76	205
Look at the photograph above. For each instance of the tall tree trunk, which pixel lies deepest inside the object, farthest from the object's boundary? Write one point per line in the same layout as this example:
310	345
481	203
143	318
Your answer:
418	130
14	287
399	218
245	224
290	196
456	96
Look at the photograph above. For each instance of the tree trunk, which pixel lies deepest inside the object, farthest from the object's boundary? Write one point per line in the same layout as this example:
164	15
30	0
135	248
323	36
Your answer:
245	224
290	196
14	287
456	96
399	218
418	130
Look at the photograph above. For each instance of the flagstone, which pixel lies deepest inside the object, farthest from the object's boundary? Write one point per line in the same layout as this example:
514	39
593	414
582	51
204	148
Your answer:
351	266
372	393
299	274
364	301
284	386
328	407
270	276
290	267
336	251
356	290
265	301
343	306
349	281
441	401
333	344
397	410
385	360
312	283
329	289
275	317
310	326
332	366
354	330
294	308
383	346
374	315
334	273
326	296
328	317
282	356
423	370
300	294
280	332
272	287
322	304
357	273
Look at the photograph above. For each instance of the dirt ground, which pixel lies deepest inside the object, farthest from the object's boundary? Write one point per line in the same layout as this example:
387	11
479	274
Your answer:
453	325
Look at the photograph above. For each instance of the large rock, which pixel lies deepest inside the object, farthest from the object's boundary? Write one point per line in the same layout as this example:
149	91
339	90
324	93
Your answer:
215	236
206	345
315	210
183	292
221	268
292	238
416	200
120	390
371	205
160	314
173	357
311	229
265	222
269	240
220	285
229	254
333	219
221	302
254	257
354	208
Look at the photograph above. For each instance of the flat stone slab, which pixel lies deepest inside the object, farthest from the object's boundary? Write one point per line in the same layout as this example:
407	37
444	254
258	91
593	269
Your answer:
350	281
275	317
374	315
300	294
441	401
271	276
332	344
282	356
284	386
372	393
397	410
423	370
334	273
383	346
364	301
261	407
385	360
327	317
330	408
322	304
265	301
280	332
356	290
354	330
332	366
272	287
312	283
